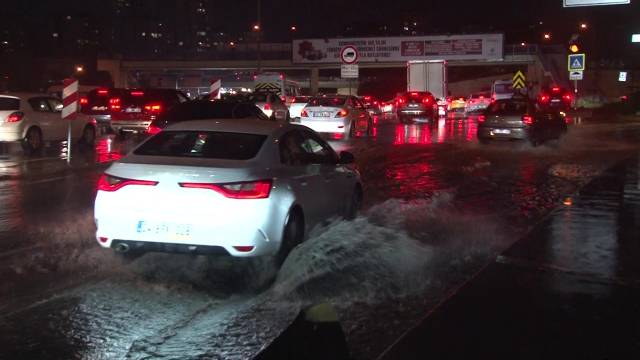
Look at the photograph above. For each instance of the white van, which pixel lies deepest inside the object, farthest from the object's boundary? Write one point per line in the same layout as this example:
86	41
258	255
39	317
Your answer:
276	83
502	89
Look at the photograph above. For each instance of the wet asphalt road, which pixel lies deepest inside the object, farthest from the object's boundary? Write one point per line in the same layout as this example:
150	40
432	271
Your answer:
438	206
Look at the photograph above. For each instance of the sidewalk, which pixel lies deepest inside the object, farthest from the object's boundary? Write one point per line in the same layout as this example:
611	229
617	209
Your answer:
570	289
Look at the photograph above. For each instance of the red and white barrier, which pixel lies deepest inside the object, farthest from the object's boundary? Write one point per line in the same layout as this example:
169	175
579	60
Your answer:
70	99
215	88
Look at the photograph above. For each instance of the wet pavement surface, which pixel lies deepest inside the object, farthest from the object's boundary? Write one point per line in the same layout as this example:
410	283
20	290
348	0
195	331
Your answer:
568	289
438	207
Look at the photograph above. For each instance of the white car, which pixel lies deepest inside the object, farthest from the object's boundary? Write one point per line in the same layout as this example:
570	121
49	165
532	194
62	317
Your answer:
337	114
272	106
241	188
297	104
34	119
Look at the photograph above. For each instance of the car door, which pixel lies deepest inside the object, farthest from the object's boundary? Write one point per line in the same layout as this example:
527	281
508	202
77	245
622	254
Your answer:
361	115
305	178
334	189
43	115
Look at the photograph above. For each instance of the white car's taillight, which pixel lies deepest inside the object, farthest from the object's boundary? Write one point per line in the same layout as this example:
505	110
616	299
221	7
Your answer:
15	117
112	183
259	189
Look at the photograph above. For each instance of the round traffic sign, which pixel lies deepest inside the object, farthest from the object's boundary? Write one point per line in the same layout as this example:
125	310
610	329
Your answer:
349	55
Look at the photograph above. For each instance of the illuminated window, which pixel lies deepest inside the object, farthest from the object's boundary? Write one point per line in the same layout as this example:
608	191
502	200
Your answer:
144	34
69	17
55	34
202	33
180	43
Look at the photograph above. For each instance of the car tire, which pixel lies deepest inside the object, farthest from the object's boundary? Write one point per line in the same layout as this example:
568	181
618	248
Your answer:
88	136
292	236
355	203
352	131
32	143
370	128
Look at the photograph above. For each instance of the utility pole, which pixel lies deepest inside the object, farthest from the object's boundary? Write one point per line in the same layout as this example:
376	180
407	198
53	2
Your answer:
259	47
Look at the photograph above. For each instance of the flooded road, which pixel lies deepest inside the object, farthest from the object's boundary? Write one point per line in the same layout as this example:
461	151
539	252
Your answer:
438	206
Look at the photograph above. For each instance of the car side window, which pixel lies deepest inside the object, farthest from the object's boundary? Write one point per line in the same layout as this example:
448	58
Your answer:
289	91
258	113
243	111
40	104
181	98
55	104
322	152
352	103
358	104
292	149
276	99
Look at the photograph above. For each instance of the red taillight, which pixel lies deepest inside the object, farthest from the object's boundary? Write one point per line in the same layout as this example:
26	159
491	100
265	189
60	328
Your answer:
400	101
303	113
481	118
15	117
375	103
152	129
153	107
527	119
544	98
342	113
481	97
470	101
137	93
555	89
293	100
426	100
267	107
247	190
284	99
115	103
110	183
103	92
243	248
84	100
567	97
367	98
104	239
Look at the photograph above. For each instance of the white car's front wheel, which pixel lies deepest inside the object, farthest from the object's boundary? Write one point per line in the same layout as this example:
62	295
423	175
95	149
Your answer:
293	236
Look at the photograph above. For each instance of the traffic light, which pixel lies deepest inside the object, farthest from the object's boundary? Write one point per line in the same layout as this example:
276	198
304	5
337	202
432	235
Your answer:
574	48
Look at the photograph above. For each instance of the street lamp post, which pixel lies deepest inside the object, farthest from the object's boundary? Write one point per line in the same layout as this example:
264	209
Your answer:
259	47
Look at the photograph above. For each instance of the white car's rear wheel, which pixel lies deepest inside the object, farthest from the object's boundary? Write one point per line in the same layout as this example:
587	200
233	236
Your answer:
293	236
32	142
355	204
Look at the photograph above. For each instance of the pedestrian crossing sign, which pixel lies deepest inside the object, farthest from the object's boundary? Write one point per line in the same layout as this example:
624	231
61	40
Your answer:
576	62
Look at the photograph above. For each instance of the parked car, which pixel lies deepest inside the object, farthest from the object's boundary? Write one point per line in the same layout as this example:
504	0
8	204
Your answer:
271	105
337	114
33	119
244	187
207	110
521	119
134	109
417	106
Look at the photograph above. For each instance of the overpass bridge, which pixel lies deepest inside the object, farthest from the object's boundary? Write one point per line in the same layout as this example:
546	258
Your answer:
121	70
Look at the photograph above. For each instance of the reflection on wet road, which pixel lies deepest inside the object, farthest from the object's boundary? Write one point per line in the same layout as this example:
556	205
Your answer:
438	206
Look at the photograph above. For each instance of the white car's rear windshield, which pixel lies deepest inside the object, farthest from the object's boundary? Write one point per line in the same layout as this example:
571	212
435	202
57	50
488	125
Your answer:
508	107
203	144
503	88
9	104
328	101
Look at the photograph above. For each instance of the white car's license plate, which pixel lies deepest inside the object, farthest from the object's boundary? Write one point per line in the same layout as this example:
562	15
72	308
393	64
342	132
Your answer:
321	114
133	110
170	230
502	131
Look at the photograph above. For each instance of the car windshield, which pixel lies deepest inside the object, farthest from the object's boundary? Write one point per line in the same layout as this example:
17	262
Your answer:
508	108
481	96
9	104
328	101
258	97
503	88
415	95
203	144
199	110
302	99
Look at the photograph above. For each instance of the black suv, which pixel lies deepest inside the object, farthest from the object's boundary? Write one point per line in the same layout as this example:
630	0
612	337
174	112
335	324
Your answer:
557	98
417	106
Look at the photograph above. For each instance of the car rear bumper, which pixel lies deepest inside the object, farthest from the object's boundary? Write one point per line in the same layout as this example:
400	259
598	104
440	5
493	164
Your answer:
251	223
10	136
490	133
325	126
135	125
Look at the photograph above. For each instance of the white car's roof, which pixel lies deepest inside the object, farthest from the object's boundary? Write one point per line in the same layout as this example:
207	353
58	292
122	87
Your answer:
24	95
261	127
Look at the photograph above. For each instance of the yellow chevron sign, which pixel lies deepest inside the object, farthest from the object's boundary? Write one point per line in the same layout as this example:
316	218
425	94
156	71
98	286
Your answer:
518	80
273	88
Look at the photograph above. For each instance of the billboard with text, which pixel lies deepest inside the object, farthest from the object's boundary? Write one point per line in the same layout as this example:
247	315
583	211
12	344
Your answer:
402	48
576	3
